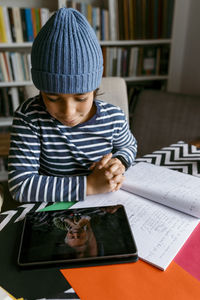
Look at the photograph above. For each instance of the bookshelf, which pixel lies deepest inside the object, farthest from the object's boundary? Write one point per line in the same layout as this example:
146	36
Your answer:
117	29
116	34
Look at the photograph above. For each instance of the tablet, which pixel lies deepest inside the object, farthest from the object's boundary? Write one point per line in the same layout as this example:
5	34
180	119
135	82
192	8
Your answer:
75	237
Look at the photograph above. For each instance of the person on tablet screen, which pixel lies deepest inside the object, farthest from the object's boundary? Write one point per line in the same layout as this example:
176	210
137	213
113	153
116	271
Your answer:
65	143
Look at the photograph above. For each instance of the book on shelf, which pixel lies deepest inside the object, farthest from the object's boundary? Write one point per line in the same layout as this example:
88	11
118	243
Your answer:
120	25
124	62
29	25
126	19
119	55
17	24
113	17
1	73
114	62
38	20
155	15
133	62
23	23
96	19
3	35
89	12
7	24
102	25
149	19
4	74
107	22
163	208
131	14
12	26
33	15
8	66
164	60
144	15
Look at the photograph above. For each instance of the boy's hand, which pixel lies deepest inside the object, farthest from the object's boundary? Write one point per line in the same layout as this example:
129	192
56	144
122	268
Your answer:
112	165
107	175
99	183
100	164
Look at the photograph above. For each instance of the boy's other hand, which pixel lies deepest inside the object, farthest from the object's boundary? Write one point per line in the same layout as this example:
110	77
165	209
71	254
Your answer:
107	176
113	166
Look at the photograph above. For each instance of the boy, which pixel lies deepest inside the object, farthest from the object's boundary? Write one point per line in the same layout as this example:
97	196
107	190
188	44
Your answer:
65	144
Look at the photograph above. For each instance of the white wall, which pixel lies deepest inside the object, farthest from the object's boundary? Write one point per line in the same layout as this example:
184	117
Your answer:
184	73
190	79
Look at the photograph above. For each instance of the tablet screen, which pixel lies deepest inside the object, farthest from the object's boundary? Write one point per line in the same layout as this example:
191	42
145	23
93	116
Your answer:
75	235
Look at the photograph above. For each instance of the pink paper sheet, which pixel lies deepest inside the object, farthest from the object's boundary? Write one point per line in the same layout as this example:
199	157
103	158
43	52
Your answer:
189	256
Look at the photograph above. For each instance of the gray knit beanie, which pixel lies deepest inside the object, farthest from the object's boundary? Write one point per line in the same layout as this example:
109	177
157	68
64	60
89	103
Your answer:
66	56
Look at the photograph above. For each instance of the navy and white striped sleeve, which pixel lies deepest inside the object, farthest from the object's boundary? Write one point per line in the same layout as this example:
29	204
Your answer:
26	184
124	144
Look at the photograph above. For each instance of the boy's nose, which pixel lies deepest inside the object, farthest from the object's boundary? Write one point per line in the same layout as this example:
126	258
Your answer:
68	109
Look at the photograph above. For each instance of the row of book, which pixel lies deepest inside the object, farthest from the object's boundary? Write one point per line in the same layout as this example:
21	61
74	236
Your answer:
10	99
21	24
136	61
140	19
123	20
118	61
98	17
14	66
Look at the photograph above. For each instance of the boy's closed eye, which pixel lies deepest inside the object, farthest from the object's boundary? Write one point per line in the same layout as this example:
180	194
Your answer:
81	98
55	98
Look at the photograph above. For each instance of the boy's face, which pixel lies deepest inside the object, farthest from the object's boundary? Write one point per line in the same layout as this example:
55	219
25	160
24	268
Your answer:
70	109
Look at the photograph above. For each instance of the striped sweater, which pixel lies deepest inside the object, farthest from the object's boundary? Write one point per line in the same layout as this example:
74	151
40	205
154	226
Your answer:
50	162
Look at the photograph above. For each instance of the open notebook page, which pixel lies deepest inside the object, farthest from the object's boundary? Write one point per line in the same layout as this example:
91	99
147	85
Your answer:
169	187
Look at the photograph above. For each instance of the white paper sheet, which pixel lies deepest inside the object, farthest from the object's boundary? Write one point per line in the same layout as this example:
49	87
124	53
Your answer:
159	231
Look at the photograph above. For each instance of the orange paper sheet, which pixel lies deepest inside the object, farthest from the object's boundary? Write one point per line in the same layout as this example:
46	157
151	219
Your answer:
133	281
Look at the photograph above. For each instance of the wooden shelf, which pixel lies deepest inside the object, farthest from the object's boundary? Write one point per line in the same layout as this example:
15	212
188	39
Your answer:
15	83
102	43
135	42
15	45
146	78
128	79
